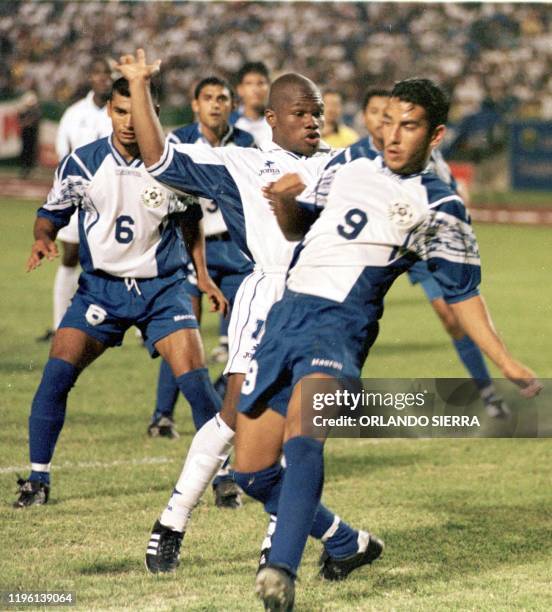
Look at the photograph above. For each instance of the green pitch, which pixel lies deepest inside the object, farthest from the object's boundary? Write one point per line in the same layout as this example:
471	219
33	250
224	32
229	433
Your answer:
467	523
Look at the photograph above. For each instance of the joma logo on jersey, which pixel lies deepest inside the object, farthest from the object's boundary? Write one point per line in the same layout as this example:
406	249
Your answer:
268	169
327	363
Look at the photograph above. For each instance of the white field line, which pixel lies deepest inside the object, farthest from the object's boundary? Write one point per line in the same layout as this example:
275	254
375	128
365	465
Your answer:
91	464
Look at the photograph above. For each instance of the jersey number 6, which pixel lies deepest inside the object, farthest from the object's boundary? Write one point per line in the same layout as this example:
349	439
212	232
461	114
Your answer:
355	219
123	230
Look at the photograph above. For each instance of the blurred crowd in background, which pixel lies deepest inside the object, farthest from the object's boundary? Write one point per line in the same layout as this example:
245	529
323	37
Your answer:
498	55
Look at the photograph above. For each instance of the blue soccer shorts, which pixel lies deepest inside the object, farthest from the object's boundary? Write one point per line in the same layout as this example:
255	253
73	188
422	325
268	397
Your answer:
304	335
420	273
105	306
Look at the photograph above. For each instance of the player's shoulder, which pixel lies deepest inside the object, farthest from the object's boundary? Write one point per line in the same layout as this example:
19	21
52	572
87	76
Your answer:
241	138
187	134
90	156
441	196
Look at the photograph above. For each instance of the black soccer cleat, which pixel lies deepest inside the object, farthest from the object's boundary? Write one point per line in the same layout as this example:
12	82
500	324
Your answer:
369	549
276	588
46	336
227	494
31	493
163	427
163	552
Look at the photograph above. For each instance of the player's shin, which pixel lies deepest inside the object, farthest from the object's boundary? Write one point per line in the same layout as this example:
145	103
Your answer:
209	449
48	414
299	500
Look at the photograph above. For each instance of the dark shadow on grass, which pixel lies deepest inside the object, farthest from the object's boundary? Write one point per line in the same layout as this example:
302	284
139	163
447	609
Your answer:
474	539
108	566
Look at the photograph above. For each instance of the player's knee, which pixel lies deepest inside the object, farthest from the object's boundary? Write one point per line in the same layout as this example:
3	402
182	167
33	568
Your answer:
448	318
262	485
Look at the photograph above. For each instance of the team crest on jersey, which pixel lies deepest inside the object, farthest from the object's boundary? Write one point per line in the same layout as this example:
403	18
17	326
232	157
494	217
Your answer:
153	196
401	214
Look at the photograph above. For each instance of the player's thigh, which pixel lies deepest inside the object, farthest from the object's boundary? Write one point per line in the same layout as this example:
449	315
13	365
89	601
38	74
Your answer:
258	442
76	347
70	254
300	412
182	350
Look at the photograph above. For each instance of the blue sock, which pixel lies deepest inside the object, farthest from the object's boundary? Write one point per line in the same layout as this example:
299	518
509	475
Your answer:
340	540
48	413
299	500
264	485
472	359
198	389
167	392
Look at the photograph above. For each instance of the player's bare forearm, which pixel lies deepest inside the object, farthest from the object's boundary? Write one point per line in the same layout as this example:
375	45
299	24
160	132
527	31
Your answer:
476	322
292	219
147	127
44	245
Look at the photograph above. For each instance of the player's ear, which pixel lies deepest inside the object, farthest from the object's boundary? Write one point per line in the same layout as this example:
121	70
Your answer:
438	135
270	117
195	106
108	106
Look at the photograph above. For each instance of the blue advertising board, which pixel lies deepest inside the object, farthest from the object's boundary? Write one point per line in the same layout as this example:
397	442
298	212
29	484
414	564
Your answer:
531	155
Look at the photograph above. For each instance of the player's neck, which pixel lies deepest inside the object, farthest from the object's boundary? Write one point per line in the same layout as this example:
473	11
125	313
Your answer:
253	113
99	101
213	136
127	152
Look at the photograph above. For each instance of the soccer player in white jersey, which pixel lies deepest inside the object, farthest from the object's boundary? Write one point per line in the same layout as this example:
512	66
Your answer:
234	178
374	219
133	260
252	86
83	122
374	105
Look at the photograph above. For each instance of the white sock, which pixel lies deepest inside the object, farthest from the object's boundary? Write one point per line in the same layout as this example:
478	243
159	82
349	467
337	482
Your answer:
65	286
209	450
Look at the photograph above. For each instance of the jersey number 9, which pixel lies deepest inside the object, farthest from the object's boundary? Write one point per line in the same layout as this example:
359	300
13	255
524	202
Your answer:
355	220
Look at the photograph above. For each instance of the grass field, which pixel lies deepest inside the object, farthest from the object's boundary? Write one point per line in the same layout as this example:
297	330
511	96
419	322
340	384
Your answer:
467	523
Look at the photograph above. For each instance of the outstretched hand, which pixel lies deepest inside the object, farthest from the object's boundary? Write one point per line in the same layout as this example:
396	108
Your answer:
41	249
132	67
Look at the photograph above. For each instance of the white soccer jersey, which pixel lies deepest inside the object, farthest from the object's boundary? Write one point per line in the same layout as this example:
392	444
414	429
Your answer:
82	123
373	224
126	223
258	128
213	221
234	177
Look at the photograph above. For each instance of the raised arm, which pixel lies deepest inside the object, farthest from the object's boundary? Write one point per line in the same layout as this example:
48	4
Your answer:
147	126
476	322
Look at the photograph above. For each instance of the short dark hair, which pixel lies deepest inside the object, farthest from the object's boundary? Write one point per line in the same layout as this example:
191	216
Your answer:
120	86
373	92
98	59
252	67
212	80
426	94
